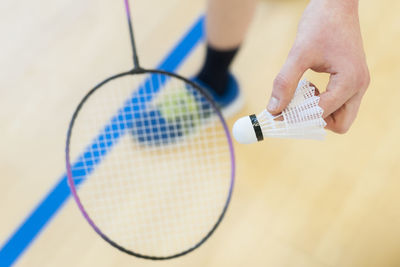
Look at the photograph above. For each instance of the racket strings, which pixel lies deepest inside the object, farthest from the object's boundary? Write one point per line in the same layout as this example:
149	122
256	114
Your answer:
150	196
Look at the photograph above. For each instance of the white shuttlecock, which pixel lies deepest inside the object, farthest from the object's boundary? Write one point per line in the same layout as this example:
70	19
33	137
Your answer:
302	119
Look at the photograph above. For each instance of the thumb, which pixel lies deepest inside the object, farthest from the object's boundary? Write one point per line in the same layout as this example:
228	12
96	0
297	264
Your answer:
285	84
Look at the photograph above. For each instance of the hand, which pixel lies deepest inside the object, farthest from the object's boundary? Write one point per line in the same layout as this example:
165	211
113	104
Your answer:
328	40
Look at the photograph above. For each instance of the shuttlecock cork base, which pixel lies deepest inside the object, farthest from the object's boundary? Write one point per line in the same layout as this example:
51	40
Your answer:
301	119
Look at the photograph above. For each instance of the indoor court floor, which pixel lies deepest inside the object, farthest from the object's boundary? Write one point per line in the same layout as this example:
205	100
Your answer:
296	203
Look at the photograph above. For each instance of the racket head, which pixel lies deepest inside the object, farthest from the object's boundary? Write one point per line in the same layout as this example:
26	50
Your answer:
99	149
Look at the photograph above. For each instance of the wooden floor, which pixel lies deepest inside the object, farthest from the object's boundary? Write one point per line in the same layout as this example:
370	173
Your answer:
296	203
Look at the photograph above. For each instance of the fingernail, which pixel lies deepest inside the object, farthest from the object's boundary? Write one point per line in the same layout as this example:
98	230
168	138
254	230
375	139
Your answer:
273	104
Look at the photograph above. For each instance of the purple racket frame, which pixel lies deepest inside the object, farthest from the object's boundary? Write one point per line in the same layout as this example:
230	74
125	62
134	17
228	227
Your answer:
71	168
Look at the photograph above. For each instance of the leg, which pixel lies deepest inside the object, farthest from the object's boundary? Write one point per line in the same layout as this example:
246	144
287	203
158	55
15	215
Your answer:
227	22
226	25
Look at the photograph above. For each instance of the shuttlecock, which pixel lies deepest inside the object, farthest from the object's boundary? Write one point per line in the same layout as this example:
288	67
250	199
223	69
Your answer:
301	119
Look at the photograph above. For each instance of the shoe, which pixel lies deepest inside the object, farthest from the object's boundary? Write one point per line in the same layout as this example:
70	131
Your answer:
174	115
231	102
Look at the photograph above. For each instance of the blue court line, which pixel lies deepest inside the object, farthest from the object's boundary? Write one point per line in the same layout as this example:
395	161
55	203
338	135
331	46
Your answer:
29	229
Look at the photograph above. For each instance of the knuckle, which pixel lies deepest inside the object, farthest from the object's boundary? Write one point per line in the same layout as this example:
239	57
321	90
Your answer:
363	79
340	128
356	78
366	80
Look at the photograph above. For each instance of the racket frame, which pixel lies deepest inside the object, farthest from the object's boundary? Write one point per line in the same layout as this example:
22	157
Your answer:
137	71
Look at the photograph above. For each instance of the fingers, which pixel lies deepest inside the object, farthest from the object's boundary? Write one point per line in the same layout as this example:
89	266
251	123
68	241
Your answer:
286	82
337	93
317	92
340	103
342	97
341	120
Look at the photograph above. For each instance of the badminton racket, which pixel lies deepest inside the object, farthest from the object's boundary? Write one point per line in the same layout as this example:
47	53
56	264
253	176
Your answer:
150	161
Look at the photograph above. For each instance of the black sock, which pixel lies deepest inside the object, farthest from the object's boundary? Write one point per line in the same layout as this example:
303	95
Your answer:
215	71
